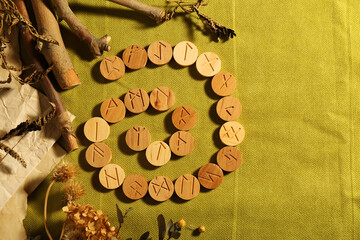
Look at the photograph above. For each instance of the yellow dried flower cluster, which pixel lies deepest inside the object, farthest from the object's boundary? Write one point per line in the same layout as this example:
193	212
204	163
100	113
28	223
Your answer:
64	172
73	191
95	224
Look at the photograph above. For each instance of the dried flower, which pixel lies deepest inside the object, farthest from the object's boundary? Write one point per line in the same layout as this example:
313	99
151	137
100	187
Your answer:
95	223
71	232
202	229
73	191
64	172
181	223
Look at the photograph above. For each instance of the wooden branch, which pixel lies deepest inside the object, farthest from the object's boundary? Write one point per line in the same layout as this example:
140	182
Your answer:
96	45
150	11
55	55
63	119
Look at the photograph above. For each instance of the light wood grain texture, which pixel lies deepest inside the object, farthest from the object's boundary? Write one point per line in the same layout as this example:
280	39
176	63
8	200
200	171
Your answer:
111	176
161	188
158	153
185	53
229	108
229	158
232	133
187	187
182	143
162	98
210	176
160	52
98	155
184	118
112	68
138	138
113	110
96	129
135	186
223	84
208	64
137	100
135	57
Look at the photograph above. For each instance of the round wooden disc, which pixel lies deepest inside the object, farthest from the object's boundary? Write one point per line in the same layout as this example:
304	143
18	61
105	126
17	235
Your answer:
229	108
229	158
161	188
187	187
112	68
113	110
135	186
136	100
210	176
182	143
184	118
223	84
138	138
96	129
135	57
162	98
160	52
208	64
111	176
98	155
185	53
232	133
158	153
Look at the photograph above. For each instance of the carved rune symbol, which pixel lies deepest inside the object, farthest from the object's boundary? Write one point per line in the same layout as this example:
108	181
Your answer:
159	55
133	50
163	93
231	159
158	187
107	176
136	186
111	66
185	181
112	104
209	176
231	133
225	81
211	62
138	131
97	151
186	50
136	96
183	114
160	146
229	109
180	141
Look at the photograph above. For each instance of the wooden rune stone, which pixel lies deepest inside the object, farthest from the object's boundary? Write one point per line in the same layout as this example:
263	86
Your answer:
135	57
223	84
98	155
187	187
112	68
160	52
135	186
136	100
210	176
161	188
111	176
138	138
96	129
208	64
232	133
158	153
229	158
162	98
229	108
113	110
182	143
184	118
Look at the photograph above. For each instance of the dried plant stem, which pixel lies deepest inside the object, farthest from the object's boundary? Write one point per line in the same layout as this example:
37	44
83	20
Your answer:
63	229
63	118
45	208
150	11
96	45
55	55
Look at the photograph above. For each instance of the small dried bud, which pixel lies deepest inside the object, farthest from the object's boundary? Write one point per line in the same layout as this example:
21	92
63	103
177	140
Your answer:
181	223
64	172
202	229
73	191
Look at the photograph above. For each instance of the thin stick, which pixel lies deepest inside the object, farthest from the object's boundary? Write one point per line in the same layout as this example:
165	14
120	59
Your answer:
55	55
63	119
96	45
150	11
45	208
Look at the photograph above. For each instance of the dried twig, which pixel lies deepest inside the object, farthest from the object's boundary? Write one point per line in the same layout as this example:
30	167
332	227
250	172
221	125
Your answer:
11	152
96	45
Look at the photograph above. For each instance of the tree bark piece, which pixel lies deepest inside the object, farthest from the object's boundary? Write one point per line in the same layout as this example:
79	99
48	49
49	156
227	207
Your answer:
150	11
63	119
55	55
96	45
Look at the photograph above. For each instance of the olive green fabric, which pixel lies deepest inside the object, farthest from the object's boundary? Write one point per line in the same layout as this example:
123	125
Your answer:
297	66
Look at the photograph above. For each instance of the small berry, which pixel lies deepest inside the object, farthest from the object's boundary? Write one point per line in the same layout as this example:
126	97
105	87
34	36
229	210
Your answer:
181	223
202	229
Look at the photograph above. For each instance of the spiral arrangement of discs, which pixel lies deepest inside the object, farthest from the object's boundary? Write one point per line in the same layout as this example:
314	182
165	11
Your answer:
184	118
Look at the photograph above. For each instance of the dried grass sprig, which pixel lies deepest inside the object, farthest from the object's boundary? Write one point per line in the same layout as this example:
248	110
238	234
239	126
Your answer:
14	154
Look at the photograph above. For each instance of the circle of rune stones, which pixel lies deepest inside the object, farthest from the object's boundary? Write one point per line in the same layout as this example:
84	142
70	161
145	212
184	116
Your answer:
184	118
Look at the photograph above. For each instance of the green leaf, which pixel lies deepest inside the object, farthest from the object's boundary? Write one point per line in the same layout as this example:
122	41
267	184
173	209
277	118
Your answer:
176	235
162	226
145	236
127	211
170	228
119	215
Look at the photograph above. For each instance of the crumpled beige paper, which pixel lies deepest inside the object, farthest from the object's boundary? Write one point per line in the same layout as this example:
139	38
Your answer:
14	211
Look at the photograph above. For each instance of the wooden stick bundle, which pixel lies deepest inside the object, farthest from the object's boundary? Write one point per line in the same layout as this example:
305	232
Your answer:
63	119
55	55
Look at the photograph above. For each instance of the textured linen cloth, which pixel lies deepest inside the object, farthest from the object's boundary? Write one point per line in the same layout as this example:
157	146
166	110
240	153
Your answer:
297	69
